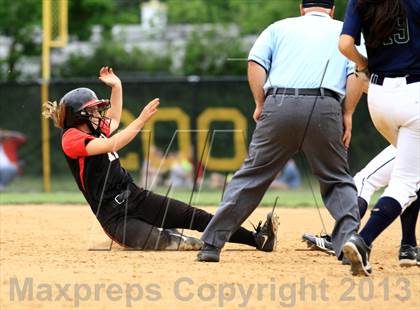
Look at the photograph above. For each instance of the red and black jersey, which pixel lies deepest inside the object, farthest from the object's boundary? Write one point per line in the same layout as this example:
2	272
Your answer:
99	177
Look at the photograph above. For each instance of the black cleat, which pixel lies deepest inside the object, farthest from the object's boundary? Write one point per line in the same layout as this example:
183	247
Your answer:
408	255
266	235
322	243
356	250
209	253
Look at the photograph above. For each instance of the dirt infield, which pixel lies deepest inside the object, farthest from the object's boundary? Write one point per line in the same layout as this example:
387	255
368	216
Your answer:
45	264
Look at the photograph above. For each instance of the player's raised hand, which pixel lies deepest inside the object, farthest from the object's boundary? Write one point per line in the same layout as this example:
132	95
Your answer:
149	110
108	76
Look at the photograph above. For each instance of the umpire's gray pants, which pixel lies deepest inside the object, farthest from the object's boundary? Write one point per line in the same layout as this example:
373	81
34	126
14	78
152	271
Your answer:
277	137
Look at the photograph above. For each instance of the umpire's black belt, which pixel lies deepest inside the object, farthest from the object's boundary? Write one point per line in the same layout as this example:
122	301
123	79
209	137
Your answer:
303	92
378	79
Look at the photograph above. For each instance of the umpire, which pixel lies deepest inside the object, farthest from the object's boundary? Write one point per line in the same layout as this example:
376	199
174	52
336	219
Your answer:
298	78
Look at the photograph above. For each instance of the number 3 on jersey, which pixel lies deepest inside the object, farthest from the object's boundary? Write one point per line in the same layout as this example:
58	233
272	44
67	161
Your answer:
401	35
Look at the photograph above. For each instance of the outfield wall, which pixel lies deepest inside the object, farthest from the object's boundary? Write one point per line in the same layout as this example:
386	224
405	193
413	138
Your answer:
221	106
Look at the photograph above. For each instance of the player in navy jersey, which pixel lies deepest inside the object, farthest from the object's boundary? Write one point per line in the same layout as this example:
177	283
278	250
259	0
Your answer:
131	216
391	29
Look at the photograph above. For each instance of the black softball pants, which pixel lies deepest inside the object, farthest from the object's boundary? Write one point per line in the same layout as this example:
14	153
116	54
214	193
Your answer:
147	219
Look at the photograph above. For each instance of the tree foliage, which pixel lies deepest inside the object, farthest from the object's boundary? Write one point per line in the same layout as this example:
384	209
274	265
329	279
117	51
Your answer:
211	53
206	53
85	13
251	15
18	20
113	55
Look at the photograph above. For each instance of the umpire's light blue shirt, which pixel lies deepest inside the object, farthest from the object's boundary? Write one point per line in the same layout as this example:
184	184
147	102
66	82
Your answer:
295	52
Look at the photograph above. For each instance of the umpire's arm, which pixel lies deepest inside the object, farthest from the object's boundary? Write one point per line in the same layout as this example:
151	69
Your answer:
256	79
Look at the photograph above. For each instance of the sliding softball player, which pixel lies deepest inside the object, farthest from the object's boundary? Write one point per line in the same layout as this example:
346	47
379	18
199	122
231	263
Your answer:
130	215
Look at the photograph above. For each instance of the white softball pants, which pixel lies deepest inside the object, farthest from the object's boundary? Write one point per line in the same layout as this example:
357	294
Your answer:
376	174
395	110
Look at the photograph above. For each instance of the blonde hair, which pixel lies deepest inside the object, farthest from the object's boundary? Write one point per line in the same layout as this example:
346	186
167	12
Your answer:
56	112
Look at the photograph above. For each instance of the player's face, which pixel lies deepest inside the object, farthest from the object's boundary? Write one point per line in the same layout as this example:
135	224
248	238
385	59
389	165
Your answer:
94	111
95	114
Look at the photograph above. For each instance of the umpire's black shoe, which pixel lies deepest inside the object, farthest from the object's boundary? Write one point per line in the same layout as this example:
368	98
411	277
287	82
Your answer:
356	250
209	253
408	255
266	235
322	243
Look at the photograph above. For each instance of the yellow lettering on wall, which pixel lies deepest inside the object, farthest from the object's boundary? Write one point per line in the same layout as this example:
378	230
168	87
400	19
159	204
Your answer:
239	135
131	160
183	134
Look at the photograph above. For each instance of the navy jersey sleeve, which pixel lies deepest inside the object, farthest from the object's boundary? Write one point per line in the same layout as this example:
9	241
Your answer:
352	22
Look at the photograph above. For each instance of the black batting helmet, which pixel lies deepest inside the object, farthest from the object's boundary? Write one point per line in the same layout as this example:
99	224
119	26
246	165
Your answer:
76	103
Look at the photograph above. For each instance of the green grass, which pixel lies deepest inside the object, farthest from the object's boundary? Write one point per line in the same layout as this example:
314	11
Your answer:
204	198
42	198
64	191
34	184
